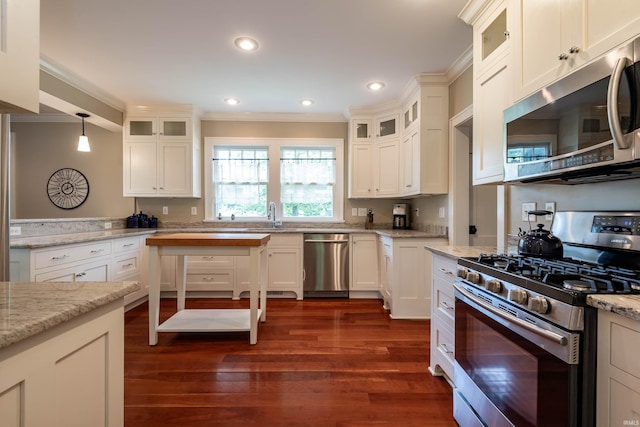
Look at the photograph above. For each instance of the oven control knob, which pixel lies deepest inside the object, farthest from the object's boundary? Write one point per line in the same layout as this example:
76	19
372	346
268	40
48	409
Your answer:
494	286
462	272
473	277
518	296
539	305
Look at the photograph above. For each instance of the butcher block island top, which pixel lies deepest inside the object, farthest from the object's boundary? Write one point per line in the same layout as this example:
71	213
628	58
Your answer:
182	245
209	239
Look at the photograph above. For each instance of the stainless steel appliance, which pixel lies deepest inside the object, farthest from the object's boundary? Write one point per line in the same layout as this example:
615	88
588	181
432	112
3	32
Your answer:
525	339
583	128
326	266
401	219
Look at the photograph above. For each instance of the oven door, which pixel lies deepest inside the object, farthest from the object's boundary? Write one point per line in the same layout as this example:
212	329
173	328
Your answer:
507	376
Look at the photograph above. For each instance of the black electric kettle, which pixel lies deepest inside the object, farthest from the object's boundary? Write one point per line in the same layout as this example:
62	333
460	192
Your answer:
540	242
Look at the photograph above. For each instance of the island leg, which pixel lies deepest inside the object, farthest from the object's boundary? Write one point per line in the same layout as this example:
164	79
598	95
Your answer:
254	280
154	294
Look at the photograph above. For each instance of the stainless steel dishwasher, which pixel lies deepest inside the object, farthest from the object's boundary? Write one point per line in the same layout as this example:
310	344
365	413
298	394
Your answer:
326	266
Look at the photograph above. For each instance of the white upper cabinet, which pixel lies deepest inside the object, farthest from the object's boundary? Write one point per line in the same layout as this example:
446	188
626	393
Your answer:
161	156
387	127
492	86
19	56
559	36
361	170
361	130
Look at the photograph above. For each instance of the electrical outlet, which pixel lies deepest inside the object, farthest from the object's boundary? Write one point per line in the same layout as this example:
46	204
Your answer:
549	206
194	210
417	211
354	211
362	211
165	210
527	207
15	231
107	225
441	212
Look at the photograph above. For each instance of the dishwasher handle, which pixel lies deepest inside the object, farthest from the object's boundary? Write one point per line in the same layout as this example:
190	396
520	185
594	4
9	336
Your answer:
325	241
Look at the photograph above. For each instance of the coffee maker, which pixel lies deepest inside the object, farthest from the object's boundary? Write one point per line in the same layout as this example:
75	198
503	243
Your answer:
401	216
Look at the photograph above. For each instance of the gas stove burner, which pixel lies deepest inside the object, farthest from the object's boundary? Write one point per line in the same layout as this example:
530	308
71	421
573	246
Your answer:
500	263
577	285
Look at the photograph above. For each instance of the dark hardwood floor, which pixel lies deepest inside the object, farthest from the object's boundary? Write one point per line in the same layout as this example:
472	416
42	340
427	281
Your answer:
316	363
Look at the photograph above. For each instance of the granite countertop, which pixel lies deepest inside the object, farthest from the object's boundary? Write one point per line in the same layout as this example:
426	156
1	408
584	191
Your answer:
28	308
33	242
462	251
624	305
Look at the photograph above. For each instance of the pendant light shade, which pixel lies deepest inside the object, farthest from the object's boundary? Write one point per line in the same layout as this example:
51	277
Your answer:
83	141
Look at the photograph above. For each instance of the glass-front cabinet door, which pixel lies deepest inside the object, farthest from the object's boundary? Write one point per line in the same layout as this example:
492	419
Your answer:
152	128
141	128
361	130
174	128
387	127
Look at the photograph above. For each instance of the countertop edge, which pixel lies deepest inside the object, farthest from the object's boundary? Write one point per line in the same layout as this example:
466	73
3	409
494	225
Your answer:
625	305
34	242
455	252
66	313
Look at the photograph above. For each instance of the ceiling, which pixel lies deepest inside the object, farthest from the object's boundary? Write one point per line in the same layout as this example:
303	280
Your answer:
166	51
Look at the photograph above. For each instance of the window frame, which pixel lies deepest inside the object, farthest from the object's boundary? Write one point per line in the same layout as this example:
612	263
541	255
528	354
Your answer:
275	146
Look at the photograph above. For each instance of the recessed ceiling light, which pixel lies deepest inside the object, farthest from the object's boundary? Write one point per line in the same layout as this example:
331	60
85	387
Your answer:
307	102
232	101
375	85
246	43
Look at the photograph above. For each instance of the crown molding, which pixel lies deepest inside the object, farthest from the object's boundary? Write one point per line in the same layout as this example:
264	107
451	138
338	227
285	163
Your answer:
58	71
272	117
460	65
472	10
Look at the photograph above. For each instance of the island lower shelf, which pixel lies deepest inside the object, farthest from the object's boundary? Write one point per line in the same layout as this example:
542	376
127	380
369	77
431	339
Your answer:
209	320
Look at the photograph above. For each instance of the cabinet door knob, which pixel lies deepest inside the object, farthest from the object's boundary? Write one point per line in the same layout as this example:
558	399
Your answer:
563	57
507	34
574	49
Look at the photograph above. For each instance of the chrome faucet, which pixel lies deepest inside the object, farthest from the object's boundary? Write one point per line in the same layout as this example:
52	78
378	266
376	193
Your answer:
271	213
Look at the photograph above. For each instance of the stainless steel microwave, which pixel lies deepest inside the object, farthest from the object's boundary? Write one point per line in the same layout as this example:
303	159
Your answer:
582	128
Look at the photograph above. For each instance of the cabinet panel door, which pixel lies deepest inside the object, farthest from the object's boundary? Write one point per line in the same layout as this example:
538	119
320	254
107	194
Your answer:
364	263
140	169
141	129
361	184
492	94
174	129
610	23
387	160
284	269
175	168
410	169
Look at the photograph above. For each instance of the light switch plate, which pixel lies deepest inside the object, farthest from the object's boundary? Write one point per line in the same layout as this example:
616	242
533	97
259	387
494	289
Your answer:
362	211
354	211
527	207
107	225
549	206
194	210
15	231
165	210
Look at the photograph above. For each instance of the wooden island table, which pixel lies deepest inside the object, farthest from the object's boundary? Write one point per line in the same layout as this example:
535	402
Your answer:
182	245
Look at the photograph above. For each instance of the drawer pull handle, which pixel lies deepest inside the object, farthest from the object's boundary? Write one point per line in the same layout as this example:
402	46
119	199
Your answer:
207	257
445	305
97	251
81	274
208	279
445	271
127	265
59	257
128	244
445	348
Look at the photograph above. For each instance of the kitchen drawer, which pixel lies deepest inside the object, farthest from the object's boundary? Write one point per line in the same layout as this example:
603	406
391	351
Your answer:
222	280
126	245
443	299
387	246
442	344
89	272
286	239
72	253
208	262
124	267
445	267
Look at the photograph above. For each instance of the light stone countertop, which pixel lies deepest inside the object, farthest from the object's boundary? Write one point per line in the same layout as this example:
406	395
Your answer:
28	308
624	305
34	242
456	252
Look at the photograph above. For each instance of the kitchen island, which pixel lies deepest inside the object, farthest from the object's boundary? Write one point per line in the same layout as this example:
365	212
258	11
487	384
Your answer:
62	353
182	245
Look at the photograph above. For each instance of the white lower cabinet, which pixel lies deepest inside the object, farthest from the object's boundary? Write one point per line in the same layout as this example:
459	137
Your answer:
70	375
443	273
112	260
404	273
363	262
618	371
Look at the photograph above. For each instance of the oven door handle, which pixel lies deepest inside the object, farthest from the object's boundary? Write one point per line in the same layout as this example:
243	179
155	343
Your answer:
551	336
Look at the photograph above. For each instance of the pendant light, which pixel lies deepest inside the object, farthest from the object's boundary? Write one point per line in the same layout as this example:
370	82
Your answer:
83	141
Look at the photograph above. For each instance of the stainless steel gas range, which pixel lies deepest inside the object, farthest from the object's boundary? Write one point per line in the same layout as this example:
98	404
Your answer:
525	337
